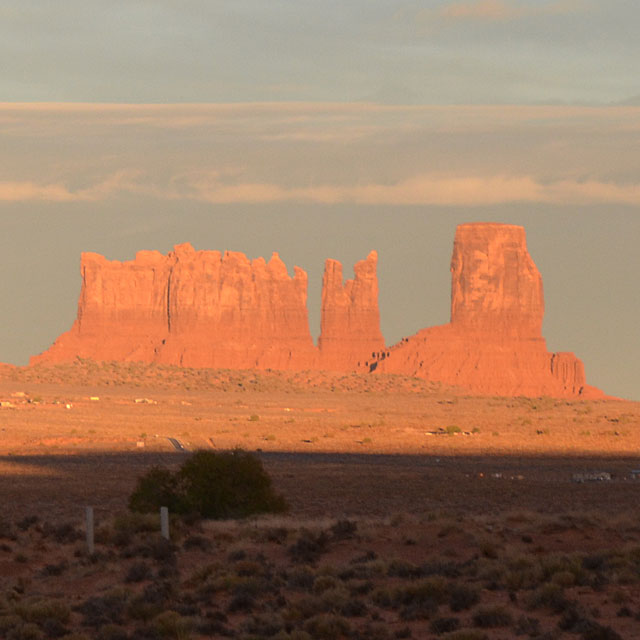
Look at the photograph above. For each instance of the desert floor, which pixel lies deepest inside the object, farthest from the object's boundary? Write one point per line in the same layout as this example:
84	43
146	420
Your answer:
402	459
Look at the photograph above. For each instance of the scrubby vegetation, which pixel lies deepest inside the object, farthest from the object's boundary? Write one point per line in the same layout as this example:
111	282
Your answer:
227	484
274	578
87	372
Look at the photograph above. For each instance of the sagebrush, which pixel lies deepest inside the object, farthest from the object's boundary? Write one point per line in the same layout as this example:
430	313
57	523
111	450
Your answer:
226	484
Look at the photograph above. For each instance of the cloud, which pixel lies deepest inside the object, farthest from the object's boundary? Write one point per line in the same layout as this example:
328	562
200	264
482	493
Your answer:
499	10
481	9
24	191
427	189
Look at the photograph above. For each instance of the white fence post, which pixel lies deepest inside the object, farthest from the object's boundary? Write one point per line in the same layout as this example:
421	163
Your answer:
164	522
89	521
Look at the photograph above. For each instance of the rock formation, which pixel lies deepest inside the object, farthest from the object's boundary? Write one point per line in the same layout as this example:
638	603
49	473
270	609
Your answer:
350	321
493	344
207	309
6	369
226	311
495	286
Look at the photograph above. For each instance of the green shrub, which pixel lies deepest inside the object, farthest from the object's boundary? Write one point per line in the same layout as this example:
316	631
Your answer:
228	484
157	488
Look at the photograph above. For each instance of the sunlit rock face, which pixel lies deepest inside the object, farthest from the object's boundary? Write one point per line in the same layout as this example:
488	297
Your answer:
493	344
350	323
221	310
190	308
495	285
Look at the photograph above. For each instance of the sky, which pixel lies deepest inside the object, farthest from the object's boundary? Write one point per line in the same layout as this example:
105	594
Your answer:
326	130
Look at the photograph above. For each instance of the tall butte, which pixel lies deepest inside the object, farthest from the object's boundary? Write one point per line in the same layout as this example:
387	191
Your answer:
350	321
493	344
208	309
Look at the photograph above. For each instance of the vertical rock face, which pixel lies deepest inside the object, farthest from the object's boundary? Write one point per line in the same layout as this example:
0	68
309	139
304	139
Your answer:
493	344
495	285
208	309
121	310
192	308
350	321
228	311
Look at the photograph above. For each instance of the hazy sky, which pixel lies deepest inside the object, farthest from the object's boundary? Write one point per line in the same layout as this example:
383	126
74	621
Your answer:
437	51
326	130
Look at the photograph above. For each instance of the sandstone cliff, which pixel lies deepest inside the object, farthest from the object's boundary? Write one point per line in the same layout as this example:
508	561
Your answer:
493	344
350	320
207	309
222	310
495	285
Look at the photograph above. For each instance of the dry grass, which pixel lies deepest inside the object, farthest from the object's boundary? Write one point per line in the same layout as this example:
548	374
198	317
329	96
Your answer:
361	580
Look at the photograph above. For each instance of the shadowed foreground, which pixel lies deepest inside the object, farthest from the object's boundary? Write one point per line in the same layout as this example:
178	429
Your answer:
376	547
337	485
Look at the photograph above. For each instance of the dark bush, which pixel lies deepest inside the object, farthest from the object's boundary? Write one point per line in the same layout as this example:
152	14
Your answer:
63	533
462	597
157	488
575	620
599	632
300	578
229	484
98	611
327	627
444	625
113	632
196	542
309	546
6	530
527	626
344	530
27	522
492	617
550	596
54	569
403	569
353	608
53	628
138	572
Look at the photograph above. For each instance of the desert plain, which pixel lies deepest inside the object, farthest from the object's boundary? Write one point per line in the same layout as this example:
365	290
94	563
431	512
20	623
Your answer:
402	493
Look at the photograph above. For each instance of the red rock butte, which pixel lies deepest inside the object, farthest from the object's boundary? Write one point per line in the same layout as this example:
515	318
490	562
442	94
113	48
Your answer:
493	344
208	309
